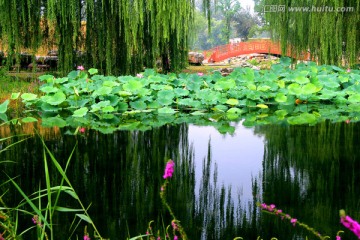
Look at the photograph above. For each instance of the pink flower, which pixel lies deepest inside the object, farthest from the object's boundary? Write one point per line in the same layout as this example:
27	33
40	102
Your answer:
278	211
200	74
86	237
173	224
293	221
81	68
169	169
351	224
271	207
1	237
82	130
176	237
347	121
147	233
139	75
158	238
338	238
348	70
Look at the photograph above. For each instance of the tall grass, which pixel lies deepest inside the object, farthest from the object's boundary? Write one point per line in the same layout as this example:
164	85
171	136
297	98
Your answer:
43	215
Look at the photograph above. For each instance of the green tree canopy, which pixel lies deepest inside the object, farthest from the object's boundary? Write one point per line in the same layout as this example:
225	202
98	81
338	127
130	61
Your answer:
121	36
330	30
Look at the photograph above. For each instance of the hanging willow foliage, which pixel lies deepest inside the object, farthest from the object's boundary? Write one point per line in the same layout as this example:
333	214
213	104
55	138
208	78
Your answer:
119	37
331	36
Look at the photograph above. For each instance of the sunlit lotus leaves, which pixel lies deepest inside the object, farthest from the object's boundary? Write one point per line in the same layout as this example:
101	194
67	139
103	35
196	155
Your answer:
138	105
280	97
110	83
47	78
232	102
262	105
132	86
235	110
80	112
355	98
310	88
53	122
28	96
303	118
14	96
281	83
98	106
48	89
180	92
93	71
29	119
4	106
104	90
56	98
224	84
49	108
166	110
295	89
263	88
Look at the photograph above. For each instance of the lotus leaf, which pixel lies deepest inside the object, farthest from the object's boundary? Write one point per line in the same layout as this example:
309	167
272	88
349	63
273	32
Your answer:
303	118
166	110
53	122
14	96
133	86
224	84
92	71
262	106
29	119
280	97
98	106
55	99
102	91
47	78
4	106
355	98
81	112
48	89
138	105
28	96
180	92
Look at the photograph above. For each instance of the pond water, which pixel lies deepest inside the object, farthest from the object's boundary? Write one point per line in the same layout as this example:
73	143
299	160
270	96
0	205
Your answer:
310	172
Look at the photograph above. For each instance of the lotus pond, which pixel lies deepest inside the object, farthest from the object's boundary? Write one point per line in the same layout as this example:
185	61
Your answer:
284	136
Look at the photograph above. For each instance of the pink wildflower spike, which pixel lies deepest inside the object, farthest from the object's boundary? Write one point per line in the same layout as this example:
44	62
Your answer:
271	207
147	233
263	206
176	237
338	238
278	211
200	74
169	169
174	226
81	68
351	224
158	238
293	221
86	237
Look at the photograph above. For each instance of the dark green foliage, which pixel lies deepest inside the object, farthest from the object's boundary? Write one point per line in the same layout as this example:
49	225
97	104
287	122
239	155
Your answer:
120	37
331	36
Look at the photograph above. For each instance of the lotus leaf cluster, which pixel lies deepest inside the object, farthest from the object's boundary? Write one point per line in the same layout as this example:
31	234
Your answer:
305	94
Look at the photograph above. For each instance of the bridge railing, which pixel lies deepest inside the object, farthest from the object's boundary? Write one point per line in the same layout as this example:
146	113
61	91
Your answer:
223	52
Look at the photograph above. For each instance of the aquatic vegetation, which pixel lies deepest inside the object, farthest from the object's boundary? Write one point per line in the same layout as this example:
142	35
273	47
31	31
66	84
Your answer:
350	223
347	221
307	94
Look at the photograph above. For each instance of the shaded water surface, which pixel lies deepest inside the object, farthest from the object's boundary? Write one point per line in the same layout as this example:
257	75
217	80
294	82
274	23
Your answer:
309	172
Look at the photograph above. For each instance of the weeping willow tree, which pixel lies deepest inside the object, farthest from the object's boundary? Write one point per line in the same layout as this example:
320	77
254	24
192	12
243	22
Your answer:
330	30
121	36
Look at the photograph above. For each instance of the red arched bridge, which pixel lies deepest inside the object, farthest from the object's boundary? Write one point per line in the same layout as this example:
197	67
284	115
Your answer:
223	52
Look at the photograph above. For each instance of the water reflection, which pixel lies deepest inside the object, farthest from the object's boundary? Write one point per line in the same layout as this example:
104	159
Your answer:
308	171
